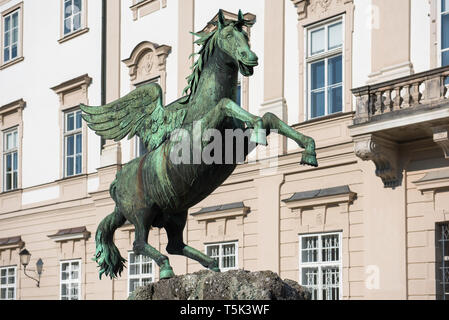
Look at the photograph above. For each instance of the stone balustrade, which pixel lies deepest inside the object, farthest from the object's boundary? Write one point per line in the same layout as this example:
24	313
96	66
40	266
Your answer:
424	89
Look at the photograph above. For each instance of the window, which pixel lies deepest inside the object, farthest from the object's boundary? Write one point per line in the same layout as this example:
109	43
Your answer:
239	90
226	254
10	160
445	32
442	261
8	283
72	16
73	143
325	69
70	280
140	271
11	35
321	266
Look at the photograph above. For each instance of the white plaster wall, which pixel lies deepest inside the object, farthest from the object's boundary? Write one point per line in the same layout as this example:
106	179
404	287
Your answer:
291	77
205	10
420	35
364	21
159	27
48	63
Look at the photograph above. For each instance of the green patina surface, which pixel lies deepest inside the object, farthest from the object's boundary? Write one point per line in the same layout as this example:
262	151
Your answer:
152	191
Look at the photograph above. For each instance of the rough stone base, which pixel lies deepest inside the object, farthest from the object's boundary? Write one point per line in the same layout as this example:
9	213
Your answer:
231	285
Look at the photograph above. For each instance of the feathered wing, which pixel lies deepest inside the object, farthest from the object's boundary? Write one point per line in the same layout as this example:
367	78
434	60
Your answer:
140	113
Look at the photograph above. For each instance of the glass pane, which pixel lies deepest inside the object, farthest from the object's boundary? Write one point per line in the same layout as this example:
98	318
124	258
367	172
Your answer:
6	56
335	70
335	36
15	35
145	268
14	51
76	6
335	98
445	58
75	266
70	122
79	121
78	165
3	273
229	249
67	8
15	139
15	162
15	19
132	258
7	39
146	281
133	284
309	279
444	5
8	181
79	143
212	251
77	22
317	75
317	41
330	246
331	283
317	107
74	291
70	166
9	141
3	294
68	25
239	95
11	280
11	293
7	23
9	163
309	249
133	269
64	290
445	31
3	280
70	145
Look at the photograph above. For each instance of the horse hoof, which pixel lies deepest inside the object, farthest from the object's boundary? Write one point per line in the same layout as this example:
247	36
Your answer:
166	273
309	160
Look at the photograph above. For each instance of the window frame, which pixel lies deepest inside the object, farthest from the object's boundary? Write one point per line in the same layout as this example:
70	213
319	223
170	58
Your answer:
9	12
141	275
7	286
83	23
441	263
220	256
320	264
5	153
440	32
75	132
325	56
61	282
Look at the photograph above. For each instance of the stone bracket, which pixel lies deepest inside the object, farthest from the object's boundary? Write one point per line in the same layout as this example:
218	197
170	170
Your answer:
441	137
384	154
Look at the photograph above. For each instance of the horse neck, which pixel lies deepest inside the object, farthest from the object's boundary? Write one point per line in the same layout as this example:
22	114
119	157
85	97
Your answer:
218	79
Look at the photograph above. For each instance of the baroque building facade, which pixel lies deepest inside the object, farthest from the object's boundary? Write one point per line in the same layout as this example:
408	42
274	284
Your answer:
367	79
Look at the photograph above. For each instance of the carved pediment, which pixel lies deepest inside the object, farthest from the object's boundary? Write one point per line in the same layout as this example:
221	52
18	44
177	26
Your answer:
317	8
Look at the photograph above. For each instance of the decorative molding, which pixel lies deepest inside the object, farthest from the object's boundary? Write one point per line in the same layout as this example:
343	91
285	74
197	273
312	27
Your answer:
316	8
141	8
11	243
147	61
323	197
441	137
225	211
70	234
433	181
383	153
15	106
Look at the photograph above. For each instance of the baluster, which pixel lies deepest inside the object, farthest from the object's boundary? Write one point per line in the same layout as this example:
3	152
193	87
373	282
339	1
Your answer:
398	99
407	97
378	103
415	94
388	101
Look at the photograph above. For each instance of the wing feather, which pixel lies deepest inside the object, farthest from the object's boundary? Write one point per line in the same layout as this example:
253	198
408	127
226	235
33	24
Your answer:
140	113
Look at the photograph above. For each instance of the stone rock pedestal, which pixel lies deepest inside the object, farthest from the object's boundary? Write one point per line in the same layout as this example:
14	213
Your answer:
230	285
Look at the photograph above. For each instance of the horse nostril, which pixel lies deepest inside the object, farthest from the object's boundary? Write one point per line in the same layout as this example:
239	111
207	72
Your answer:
243	54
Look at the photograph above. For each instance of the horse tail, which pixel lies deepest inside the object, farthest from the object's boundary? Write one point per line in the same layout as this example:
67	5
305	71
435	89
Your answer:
107	254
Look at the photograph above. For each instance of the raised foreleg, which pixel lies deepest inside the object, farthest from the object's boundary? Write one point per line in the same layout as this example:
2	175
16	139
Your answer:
177	246
228	108
272	122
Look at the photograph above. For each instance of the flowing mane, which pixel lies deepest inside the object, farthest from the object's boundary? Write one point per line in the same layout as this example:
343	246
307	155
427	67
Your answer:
208	41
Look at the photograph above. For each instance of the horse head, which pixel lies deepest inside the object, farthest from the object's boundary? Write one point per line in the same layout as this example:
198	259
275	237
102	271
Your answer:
234	41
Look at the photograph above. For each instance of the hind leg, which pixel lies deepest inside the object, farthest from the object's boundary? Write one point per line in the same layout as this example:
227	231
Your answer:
142	247
177	246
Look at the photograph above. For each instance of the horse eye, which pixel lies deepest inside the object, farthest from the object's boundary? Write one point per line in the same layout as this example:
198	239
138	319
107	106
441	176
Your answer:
229	36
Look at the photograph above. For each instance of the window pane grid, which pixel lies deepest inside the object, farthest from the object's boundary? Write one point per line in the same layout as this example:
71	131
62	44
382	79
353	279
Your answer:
10	36
8	283
321	275
72	16
140	271
10	160
70	280
73	142
225	254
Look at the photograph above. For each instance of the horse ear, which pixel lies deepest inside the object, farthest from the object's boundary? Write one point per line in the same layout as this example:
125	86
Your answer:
241	18
221	20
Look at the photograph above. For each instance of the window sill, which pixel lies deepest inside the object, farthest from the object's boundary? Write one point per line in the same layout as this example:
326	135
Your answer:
72	35
74	177
10	63
11	192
